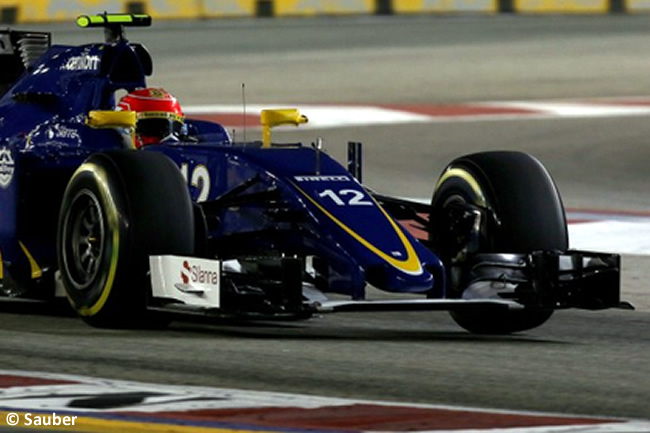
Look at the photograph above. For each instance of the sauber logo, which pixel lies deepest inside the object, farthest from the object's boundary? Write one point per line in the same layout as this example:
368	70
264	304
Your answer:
196	279
6	167
185	272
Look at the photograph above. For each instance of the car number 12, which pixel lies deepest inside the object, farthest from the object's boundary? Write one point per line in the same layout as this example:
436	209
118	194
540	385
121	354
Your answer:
343	197
200	179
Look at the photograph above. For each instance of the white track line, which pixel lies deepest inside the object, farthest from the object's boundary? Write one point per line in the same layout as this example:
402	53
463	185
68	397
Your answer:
331	116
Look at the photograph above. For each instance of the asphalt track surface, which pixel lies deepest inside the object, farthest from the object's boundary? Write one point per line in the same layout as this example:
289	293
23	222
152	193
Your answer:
579	362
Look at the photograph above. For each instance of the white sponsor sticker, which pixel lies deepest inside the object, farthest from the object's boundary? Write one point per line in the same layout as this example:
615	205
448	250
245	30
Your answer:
82	63
6	167
190	280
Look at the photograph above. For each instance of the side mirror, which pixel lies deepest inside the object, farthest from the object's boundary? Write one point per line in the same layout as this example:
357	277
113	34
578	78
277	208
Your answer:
273	118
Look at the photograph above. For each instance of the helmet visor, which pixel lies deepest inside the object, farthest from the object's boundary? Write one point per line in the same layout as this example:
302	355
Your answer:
159	128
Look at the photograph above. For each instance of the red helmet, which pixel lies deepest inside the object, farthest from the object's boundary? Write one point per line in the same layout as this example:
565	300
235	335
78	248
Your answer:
159	115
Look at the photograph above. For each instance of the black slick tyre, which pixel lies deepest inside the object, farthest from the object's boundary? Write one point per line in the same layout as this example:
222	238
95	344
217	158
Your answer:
526	207
119	208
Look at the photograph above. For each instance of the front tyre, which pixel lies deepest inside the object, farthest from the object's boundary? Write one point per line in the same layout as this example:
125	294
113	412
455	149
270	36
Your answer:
519	210
118	209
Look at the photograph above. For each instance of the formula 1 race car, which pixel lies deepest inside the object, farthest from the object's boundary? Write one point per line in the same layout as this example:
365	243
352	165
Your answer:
260	230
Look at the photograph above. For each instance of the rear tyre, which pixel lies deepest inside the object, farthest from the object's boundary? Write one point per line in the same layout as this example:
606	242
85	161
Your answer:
118	209
526	215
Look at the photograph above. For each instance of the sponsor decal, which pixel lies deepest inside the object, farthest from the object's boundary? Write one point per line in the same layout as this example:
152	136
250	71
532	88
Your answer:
63	132
6	167
84	62
196	279
157	93
193	281
316	178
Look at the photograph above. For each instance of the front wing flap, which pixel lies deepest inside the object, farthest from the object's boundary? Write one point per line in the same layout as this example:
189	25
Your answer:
547	279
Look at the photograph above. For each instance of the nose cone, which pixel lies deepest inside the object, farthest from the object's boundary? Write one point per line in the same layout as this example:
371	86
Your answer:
386	277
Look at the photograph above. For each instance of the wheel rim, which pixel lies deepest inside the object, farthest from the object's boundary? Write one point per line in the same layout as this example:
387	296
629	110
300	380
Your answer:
84	236
465	222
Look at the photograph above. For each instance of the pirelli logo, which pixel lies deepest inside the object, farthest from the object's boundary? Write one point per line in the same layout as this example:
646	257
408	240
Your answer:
317	178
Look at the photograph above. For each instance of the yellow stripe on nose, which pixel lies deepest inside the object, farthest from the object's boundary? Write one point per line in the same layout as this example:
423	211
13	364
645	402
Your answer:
410	265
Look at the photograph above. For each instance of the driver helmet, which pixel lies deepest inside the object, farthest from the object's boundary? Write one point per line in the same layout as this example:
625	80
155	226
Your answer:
159	115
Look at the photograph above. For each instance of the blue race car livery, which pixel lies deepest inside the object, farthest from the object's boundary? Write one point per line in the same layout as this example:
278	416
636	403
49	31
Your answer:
211	227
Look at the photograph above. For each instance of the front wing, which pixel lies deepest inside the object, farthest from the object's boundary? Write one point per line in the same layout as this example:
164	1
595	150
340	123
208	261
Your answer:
535	281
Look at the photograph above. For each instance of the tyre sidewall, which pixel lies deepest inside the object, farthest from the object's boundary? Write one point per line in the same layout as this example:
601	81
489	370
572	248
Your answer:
102	181
524	198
